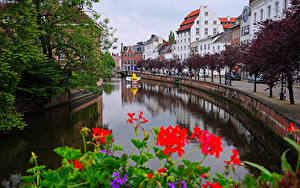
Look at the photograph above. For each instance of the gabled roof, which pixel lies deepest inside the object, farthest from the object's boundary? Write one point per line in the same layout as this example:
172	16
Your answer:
225	37
226	26
189	20
195	12
226	20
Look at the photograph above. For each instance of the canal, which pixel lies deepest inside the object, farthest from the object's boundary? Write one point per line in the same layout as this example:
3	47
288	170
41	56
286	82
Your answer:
163	104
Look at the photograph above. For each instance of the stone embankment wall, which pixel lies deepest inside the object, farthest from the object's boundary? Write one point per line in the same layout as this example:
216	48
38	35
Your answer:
273	116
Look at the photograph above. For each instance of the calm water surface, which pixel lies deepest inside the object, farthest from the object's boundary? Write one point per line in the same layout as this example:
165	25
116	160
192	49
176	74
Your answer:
163	105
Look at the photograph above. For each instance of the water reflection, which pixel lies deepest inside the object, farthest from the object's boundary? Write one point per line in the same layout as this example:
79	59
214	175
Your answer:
47	131
165	104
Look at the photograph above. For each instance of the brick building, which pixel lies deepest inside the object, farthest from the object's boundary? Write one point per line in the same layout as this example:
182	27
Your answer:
130	55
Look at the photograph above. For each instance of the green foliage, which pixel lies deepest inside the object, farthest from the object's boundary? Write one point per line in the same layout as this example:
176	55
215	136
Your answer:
108	88
171	37
102	169
107	65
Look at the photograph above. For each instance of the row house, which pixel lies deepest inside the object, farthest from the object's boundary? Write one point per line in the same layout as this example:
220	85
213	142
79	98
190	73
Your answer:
197	25
165	51
262	10
117	59
211	44
131	55
150	46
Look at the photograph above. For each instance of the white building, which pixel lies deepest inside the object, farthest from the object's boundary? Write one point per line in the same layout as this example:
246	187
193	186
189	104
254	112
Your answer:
265	9
198	25
245	25
150	46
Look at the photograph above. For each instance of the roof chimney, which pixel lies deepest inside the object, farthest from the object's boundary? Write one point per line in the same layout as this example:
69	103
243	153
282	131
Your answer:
228	18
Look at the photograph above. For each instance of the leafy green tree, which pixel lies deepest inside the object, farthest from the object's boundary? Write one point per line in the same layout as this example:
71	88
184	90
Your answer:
106	66
171	37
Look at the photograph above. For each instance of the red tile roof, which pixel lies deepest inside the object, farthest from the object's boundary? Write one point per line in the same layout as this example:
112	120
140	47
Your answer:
226	26
195	12
185	27
225	20
188	21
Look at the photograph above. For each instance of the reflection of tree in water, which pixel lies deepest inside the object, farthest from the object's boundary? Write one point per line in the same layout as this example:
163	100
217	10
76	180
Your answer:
108	88
195	108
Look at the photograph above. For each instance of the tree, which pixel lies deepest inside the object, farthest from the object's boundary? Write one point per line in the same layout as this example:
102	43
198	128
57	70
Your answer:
281	44
217	58
171	37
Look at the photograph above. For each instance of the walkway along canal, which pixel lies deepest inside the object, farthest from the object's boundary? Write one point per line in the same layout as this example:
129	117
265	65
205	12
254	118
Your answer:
163	104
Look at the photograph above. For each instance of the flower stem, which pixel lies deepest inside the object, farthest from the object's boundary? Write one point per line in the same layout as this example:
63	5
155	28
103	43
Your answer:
188	155
150	146
161	163
77	185
84	142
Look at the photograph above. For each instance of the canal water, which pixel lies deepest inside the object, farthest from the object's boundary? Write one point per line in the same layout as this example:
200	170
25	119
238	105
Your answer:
163	104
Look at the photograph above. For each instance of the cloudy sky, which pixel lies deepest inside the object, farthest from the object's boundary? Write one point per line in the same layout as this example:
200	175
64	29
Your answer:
136	20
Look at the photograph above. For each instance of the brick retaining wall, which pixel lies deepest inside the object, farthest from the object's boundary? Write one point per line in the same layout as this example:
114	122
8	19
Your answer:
273	116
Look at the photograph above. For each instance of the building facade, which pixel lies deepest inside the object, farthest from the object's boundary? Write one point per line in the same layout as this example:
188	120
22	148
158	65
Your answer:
197	25
262	10
245	25
117	59
130	55
150	46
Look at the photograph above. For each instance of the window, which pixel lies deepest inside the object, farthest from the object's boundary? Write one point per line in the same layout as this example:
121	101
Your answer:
213	48
184	34
208	46
198	22
181	48
254	17
61	56
215	22
206	13
134	55
134	61
206	22
243	31
178	48
261	14
204	46
131	61
197	39
197	31
189	40
184	47
184	56
215	31
125	62
125	55
140	55
285	4
196	49
276	7
201	48
184	40
269	11
206	31
218	48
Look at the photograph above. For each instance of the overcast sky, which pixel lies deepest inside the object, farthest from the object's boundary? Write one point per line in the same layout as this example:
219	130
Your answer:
136	20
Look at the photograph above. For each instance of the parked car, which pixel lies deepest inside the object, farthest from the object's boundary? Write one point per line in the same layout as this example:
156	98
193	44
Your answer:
234	76
259	79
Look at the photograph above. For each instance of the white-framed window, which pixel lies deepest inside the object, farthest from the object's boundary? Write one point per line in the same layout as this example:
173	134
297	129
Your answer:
276	7
269	11
206	22
255	17
184	56
285	4
206	13
215	31
204	46
218	48
198	22
215	22
208	46
197	31
184	47
213	48
184	40
206	31
197	39
261	14
201	48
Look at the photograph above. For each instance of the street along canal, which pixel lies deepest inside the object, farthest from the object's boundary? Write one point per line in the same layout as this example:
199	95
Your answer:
163	104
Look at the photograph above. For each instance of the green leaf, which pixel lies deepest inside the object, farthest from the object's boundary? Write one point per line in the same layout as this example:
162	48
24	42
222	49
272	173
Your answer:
117	148
37	168
186	162
249	181
261	168
137	143
159	153
28	178
293	143
58	177
155	130
284	163
68	153
112	163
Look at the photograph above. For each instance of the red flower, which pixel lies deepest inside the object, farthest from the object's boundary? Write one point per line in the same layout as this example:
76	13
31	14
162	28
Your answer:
131	119
210	144
150	175
173	139
292	128
162	170
77	164
210	185
235	160
100	134
144	120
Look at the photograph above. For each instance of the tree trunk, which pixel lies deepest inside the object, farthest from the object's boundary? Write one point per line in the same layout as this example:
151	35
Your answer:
290	88
212	75
230	77
220	76
255	82
270	91
204	75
